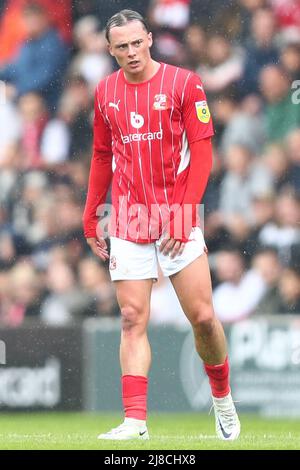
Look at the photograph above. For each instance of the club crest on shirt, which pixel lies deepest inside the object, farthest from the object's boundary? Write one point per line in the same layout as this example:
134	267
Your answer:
160	102
202	110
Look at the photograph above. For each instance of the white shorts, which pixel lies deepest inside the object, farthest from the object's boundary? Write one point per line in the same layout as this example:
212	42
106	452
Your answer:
129	260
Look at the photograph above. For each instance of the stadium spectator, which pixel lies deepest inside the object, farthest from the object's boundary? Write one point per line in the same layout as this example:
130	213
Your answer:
95	282
24	294
55	142
283	232
65	302
12	28
239	291
165	307
211	199
293	151
275	88
262	209
245	177
275	158
172	15
104	9
290	60
27	72
91	61
168	20
75	111
240	127
239	220
34	117
267	263
224	64
195	46
216	17
7	250
289	289
68	213
245	14
261	49
215	233
26	200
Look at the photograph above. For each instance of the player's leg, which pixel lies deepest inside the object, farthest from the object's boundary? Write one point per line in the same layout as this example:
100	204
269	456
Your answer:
190	276
193	288
135	358
138	263
134	301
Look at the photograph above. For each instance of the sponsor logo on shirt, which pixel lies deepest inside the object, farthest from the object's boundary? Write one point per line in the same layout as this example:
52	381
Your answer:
202	110
136	120
114	105
160	102
126	139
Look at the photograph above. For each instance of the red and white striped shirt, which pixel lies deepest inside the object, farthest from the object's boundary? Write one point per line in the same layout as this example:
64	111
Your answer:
147	128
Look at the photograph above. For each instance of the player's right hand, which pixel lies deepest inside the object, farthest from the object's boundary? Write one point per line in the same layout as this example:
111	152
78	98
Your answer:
98	247
170	246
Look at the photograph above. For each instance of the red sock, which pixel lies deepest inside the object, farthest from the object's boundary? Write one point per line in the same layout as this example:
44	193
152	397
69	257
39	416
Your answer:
218	378
134	394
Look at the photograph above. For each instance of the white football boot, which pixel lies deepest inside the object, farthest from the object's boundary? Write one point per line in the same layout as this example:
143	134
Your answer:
228	425
130	429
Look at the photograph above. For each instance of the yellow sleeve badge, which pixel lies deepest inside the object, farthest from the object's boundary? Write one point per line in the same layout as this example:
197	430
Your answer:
203	113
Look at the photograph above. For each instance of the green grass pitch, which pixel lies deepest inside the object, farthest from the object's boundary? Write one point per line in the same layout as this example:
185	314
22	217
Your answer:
167	431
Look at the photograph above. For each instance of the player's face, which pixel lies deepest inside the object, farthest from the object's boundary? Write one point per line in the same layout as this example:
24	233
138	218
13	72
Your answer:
130	45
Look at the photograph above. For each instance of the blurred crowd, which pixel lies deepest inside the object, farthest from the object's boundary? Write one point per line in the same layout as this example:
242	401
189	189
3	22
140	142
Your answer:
52	55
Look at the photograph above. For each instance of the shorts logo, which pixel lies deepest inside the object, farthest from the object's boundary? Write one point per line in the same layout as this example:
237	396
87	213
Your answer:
136	120
202	110
112	263
160	102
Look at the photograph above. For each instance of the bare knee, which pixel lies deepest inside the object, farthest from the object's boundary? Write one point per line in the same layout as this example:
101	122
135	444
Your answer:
203	321
133	319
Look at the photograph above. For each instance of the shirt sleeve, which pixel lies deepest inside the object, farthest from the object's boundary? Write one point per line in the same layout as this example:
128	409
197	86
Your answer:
198	175
196	115
100	172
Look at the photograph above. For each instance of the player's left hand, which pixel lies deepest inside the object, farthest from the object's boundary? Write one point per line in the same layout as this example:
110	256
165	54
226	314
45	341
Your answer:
170	246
